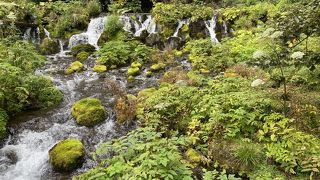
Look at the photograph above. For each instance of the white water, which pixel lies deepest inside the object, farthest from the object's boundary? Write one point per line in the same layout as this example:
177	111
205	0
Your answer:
211	26
32	34
181	23
92	35
139	24
47	33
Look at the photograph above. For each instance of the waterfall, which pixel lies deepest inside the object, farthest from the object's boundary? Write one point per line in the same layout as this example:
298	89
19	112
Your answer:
32	34
92	35
47	33
211	26
138	25
181	23
144	25
225	27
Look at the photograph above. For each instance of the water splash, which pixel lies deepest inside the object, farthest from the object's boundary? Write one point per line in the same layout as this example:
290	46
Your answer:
92	35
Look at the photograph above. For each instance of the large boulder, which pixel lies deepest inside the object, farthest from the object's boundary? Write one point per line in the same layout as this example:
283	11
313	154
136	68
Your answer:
67	155
88	111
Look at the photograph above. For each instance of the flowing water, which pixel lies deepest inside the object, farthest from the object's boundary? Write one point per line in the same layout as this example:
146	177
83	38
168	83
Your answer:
211	26
92	35
180	24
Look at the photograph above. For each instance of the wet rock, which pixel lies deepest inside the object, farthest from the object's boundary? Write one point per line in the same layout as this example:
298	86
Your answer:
67	155
155	40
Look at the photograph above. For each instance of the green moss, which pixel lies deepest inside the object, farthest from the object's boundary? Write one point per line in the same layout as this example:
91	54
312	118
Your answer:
82	47
88	111
193	156
136	65
67	155
82	56
157	67
149	74
100	68
133	71
50	96
3	123
49	46
130	78
204	71
76	66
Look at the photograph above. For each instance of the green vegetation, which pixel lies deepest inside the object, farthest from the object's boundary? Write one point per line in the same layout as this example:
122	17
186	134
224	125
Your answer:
67	155
49	46
82	56
88	111
100	68
82	48
75	66
247	108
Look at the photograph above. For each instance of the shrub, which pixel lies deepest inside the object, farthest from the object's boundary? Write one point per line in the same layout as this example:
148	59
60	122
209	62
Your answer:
112	27
3	123
50	96
88	111
125	109
49	46
67	155
133	155
116	53
93	8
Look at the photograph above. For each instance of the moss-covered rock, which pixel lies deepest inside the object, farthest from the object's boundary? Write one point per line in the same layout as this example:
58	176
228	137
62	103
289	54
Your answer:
130	78
49	46
82	48
157	67
133	71
100	68
3	123
88	111
82	56
149	73
193	156
67	155
136	65
76	66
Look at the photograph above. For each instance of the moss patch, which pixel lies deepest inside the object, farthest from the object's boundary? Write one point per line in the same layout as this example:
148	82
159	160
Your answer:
133	71
88	111
67	155
76	66
100	68
82	56
49	46
157	67
82	48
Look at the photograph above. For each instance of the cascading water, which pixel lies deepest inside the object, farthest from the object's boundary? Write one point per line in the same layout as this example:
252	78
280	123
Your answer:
47	33
92	35
139	24
211	26
32	34
180	24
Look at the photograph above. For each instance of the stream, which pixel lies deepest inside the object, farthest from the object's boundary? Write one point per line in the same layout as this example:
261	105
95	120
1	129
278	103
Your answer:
24	154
